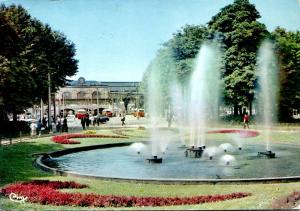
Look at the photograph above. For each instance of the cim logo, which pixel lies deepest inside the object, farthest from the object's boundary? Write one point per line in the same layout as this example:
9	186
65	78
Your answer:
16	198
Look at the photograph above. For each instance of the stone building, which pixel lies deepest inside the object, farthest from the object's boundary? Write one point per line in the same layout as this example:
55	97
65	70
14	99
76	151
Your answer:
94	95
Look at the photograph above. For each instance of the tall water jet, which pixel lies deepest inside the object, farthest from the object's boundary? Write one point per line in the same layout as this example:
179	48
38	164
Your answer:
268	88
204	92
178	107
154	102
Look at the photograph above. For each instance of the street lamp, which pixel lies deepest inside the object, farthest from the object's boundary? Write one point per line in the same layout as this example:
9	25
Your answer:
63	102
97	103
49	101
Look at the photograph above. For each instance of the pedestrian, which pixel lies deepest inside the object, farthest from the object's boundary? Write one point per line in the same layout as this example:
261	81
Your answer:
83	122
39	128
87	121
98	120
65	125
246	120
58	126
44	122
33	129
123	120
169	118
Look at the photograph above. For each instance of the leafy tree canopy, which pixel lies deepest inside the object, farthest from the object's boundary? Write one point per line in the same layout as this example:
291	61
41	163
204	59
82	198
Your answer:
29	51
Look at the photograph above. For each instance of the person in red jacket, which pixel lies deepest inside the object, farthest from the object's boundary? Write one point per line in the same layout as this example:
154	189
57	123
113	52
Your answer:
246	120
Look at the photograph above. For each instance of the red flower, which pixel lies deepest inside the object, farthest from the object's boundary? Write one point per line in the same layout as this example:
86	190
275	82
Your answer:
241	133
66	139
46	192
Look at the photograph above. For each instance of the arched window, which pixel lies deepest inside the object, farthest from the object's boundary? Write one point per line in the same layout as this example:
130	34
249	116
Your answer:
94	95
81	95
66	95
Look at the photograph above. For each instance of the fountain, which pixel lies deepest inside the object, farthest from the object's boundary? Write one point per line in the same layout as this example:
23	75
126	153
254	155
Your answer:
226	147
228	160
179	110
210	152
154	103
214	164
203	102
268	90
138	147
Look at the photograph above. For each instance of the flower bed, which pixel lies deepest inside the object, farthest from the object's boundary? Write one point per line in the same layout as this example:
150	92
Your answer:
240	133
287	202
89	132
66	139
45	192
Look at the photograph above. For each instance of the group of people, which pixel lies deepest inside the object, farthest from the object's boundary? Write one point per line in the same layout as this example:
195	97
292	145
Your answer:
59	124
61	127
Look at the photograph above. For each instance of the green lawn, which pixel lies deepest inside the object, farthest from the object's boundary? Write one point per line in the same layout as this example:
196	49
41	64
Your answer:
16	165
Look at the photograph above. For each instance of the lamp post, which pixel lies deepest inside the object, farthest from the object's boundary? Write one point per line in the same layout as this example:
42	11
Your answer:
49	101
63	104
97	103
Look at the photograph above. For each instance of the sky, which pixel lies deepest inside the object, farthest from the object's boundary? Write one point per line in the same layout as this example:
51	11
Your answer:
117	39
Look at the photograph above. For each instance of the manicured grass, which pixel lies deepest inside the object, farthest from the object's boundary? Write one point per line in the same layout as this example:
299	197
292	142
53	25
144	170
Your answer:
16	165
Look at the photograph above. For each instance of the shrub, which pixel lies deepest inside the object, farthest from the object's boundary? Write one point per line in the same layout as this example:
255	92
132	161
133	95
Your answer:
13	128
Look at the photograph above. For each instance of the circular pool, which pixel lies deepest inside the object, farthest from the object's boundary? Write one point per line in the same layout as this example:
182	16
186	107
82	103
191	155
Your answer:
123	162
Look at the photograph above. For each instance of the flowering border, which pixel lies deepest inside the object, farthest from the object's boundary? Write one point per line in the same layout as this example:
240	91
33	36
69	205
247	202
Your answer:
287	202
241	133
46	192
66	138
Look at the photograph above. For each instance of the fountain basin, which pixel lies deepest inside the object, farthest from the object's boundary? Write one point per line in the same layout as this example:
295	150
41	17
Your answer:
114	162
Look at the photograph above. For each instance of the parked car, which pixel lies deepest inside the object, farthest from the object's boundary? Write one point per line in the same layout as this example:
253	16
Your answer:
103	119
99	119
107	113
139	112
81	113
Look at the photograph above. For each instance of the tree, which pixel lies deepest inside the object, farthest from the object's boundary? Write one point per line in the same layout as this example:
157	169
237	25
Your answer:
175	59
37	51
242	36
288	49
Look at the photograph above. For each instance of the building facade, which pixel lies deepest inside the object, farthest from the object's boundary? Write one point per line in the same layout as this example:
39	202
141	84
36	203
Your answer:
94	96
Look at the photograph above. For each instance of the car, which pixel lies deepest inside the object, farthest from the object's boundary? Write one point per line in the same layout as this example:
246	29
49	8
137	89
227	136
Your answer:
139	113
107	113
103	119
81	113
71	117
100	118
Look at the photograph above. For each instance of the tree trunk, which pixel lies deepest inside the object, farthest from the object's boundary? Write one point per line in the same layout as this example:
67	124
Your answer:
235	110
240	110
15	117
250	108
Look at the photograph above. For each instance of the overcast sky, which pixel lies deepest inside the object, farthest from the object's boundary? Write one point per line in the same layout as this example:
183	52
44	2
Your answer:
116	39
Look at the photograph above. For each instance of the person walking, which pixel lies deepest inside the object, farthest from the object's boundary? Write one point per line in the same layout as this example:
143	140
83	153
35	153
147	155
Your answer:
65	125
87	121
33	129
123	120
83	122
58	126
39	128
246	120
